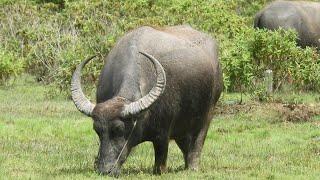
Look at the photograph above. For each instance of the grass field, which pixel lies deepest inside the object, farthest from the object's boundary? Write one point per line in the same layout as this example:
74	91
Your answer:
41	138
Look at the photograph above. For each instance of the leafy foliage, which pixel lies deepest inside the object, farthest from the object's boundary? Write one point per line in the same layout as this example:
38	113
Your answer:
53	36
258	50
9	66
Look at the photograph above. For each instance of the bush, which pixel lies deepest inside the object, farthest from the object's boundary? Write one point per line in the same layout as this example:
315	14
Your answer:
305	70
54	36
10	66
258	50
54	42
237	62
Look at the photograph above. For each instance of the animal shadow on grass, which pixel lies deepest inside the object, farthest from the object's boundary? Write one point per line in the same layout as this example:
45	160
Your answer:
88	171
148	170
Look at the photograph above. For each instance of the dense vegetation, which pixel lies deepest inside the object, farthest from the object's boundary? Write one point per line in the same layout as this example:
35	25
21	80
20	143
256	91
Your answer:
47	38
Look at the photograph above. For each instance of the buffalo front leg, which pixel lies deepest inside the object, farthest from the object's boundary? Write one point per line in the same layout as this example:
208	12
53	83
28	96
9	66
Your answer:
160	153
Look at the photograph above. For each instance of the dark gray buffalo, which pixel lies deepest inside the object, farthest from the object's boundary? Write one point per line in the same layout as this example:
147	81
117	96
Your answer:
302	16
156	85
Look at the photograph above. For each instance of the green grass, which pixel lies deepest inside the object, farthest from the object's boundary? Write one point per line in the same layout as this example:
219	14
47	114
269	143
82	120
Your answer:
48	138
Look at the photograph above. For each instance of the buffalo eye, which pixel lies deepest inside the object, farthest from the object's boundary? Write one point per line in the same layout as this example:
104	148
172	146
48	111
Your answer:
117	129
98	130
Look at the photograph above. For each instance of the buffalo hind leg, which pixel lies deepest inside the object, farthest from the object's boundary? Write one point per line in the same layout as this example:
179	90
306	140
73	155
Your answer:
184	145
160	153
191	147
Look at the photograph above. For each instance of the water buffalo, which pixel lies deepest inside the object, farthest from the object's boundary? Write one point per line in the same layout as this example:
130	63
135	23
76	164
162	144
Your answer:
156	85
302	16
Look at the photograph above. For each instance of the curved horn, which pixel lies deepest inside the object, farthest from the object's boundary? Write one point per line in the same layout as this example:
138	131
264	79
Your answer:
79	99
146	101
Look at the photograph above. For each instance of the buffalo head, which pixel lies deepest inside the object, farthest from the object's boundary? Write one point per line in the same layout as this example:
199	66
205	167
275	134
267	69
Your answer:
114	120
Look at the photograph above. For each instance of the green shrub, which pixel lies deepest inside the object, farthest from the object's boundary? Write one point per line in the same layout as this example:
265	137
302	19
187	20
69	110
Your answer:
53	36
237	62
255	51
54	42
305	70
277	50
10	66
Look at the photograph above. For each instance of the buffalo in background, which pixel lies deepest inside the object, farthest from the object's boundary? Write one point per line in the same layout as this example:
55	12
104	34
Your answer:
302	16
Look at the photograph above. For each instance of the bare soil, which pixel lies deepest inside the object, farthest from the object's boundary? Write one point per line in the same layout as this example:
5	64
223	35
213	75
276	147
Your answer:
287	112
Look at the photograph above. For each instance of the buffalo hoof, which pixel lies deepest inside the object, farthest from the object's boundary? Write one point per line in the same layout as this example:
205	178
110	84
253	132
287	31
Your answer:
159	170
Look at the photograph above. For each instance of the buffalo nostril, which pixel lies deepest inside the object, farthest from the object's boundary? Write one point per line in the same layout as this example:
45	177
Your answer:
100	168
110	170
102	171
114	172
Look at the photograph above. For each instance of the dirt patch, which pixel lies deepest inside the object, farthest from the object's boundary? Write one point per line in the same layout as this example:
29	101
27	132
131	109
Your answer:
298	112
286	112
227	109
